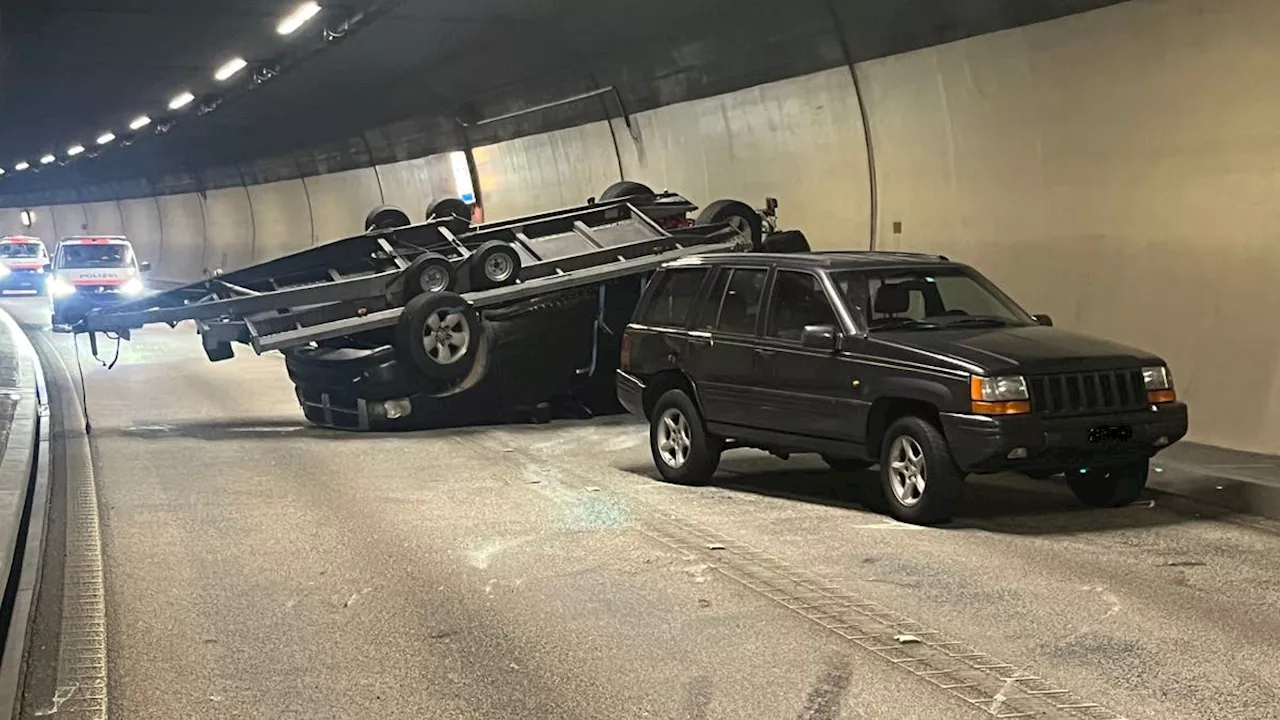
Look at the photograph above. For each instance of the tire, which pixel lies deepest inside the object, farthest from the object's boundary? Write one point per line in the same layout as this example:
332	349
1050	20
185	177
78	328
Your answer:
625	188
696	453
740	215
790	241
386	217
439	333
494	264
449	208
932	497
846	465
428	273
1110	485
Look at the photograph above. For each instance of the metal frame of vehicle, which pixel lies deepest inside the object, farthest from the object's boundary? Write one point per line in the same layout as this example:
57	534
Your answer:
357	284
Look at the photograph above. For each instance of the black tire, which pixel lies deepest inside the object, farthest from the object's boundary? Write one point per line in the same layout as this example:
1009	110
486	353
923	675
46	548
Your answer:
846	465
740	215
494	264
625	188
449	208
455	340
676	412
428	273
386	217
1110	485
789	241
942	481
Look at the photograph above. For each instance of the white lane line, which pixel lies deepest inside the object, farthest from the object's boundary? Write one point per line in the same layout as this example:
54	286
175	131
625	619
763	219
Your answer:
82	648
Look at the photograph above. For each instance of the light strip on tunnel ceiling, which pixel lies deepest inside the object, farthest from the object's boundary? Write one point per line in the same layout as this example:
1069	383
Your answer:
230	68
46	159
22	165
106	137
140	122
181	100
297	18
75	150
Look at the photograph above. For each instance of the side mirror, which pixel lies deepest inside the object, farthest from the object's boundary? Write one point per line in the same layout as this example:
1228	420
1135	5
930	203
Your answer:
820	337
1044	320
144	267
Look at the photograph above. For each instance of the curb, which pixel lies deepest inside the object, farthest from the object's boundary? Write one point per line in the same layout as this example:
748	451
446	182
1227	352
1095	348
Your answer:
1223	490
25	462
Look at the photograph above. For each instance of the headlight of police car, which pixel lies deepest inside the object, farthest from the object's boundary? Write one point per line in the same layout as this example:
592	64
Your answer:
133	287
1159	382
61	288
4	271
1004	395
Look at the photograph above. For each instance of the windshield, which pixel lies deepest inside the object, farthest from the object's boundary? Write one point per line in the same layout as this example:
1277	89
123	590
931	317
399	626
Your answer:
927	299
95	256
19	250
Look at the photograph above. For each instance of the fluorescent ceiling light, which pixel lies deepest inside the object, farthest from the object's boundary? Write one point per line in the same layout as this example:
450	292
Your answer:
1	171
231	68
297	18
140	122
22	165
47	159
181	100
106	137
75	149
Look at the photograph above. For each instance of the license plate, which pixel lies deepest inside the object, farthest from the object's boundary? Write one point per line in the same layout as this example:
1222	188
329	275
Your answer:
1110	433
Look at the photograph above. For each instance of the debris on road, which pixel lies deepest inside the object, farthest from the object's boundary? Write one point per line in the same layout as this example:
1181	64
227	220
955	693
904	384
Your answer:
907	639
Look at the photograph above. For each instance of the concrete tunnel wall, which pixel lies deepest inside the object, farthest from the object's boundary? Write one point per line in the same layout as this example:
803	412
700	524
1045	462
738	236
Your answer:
1109	168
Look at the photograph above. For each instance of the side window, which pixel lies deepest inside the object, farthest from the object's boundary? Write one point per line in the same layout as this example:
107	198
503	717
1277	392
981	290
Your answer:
797	300
710	310
741	306
673	298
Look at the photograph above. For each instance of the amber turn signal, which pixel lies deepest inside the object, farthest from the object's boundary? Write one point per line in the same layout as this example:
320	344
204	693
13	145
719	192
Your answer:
1012	407
1155	397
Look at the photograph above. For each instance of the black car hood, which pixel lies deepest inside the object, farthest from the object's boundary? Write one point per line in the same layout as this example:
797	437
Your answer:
1034	349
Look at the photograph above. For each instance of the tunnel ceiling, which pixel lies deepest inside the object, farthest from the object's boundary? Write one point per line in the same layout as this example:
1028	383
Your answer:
401	79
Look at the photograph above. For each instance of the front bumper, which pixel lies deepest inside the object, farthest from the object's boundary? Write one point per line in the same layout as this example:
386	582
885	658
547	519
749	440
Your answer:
23	280
982	444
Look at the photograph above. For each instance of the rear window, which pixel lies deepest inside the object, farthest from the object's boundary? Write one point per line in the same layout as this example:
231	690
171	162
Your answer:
674	296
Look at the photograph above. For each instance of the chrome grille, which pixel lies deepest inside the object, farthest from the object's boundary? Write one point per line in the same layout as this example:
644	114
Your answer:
1084	393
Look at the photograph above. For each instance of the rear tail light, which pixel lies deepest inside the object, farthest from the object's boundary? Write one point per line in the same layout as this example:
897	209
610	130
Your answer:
625	361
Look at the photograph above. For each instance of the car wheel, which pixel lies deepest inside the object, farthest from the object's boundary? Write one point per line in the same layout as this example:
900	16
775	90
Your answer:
846	464
440	334
494	264
920	479
739	216
684	452
428	273
1110	485
386	217
625	188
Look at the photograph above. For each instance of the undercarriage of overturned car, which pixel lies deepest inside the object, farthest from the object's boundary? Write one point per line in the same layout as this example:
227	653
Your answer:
446	323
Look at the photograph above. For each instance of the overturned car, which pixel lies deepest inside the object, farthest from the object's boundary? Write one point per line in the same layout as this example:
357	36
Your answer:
446	323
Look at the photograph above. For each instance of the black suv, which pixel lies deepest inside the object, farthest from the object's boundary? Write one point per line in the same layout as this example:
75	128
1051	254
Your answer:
912	362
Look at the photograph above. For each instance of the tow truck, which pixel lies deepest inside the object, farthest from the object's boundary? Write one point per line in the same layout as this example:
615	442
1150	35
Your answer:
445	322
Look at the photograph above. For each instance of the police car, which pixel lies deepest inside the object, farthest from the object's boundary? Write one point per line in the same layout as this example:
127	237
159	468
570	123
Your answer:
93	271
24	263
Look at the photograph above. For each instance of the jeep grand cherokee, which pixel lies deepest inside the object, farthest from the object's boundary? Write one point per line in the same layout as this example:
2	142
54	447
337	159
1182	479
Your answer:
912	362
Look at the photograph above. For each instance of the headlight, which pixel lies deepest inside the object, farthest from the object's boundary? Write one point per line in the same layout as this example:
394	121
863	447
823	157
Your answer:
4	270
133	287
61	288
1005	395
1159	382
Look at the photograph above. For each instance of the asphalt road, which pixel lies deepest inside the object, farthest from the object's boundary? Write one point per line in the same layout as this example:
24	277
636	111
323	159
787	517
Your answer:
259	568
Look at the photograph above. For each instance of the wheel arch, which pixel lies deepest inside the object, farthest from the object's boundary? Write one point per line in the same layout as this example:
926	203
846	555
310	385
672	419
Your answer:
662	382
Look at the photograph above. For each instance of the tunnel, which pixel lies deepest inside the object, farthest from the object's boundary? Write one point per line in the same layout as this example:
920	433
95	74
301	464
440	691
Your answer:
729	359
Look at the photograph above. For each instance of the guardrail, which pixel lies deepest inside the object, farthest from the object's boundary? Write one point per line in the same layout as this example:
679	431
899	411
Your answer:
24	497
